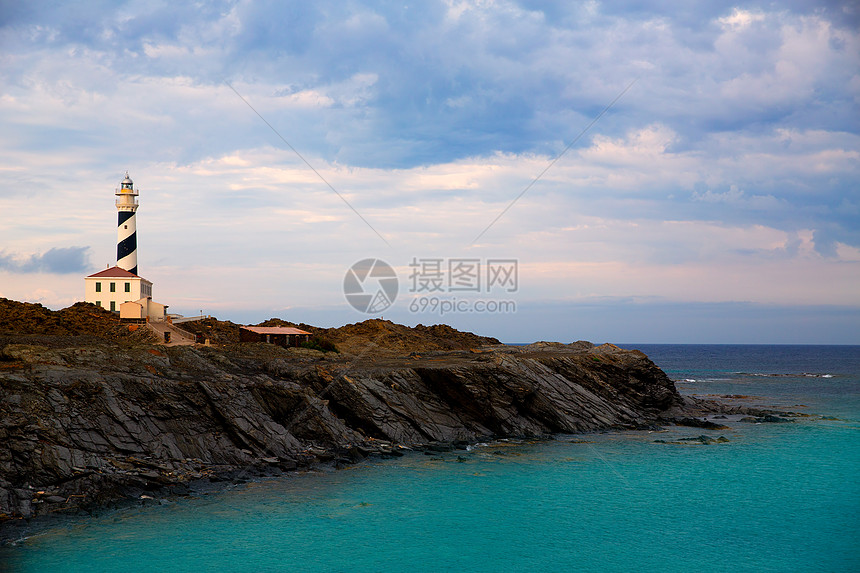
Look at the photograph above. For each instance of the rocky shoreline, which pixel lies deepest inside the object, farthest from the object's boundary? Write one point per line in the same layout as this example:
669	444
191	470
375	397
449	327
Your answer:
86	422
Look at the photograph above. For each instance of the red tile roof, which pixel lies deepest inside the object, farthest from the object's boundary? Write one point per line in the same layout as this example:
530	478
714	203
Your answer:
274	330
115	272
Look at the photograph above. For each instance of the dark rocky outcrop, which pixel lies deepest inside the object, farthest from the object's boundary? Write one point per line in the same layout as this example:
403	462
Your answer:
87	424
80	322
85	421
355	338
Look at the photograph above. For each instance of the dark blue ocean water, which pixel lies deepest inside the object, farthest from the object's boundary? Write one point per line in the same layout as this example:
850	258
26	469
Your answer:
775	497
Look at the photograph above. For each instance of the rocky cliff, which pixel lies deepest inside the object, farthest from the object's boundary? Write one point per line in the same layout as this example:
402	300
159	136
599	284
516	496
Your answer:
88	420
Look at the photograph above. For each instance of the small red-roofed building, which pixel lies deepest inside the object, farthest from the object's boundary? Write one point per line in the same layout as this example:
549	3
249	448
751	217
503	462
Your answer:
280	335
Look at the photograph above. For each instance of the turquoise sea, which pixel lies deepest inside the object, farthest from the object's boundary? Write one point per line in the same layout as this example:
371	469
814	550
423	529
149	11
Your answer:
775	497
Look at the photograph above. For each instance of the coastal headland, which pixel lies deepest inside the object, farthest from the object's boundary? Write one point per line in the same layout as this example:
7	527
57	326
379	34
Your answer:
92	413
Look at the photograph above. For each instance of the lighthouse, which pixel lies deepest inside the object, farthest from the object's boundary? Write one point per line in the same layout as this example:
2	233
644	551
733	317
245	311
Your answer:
126	232
120	289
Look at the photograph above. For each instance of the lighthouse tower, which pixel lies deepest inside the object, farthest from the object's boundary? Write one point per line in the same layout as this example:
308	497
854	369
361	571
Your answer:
120	289
126	232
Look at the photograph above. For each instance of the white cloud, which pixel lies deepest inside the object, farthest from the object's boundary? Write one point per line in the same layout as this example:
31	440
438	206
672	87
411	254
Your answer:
847	253
740	19
732	164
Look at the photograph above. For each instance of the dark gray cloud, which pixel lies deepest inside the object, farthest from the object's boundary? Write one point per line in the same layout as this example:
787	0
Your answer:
58	260
449	83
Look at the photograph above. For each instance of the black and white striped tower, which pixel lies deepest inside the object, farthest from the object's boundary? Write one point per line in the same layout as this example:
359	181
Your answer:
126	232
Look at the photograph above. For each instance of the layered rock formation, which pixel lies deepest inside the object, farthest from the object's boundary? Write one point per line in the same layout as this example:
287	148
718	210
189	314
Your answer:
84	421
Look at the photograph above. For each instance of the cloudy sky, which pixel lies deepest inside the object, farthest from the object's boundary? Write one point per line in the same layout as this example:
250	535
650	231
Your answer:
276	143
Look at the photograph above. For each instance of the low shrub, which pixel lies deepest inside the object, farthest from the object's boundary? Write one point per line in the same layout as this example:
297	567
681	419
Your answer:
321	344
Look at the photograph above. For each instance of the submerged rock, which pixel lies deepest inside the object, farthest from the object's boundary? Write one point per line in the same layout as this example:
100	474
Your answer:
703	440
697	423
765	419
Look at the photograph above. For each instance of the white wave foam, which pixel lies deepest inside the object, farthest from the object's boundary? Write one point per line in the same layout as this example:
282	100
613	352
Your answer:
785	375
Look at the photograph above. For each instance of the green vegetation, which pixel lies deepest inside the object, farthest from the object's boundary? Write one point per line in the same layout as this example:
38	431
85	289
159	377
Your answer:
321	344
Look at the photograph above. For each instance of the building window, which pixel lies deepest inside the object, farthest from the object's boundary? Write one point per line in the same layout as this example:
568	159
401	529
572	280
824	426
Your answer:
98	303
127	287
113	288
98	287
113	306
